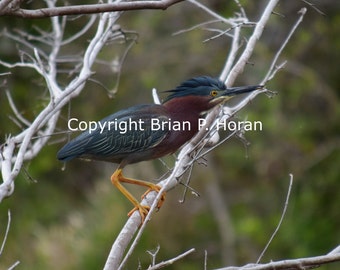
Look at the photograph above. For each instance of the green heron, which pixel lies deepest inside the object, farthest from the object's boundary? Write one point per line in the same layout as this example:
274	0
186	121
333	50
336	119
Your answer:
151	131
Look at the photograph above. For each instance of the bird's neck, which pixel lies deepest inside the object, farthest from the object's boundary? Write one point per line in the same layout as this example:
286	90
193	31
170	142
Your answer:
186	108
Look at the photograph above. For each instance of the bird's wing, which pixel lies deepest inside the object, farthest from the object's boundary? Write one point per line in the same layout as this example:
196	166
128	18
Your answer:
114	140
127	140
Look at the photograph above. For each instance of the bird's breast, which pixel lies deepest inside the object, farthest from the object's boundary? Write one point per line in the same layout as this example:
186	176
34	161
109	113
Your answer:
179	132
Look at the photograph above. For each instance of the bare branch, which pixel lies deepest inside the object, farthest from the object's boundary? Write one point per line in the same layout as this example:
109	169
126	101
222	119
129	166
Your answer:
86	9
301	263
19	148
232	54
242	61
4	4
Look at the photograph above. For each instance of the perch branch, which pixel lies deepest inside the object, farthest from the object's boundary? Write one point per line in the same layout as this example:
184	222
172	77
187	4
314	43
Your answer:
184	159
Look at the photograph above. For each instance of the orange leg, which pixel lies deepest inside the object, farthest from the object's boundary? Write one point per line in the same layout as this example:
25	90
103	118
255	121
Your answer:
117	178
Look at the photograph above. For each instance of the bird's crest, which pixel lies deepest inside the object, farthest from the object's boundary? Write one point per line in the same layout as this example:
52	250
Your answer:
198	86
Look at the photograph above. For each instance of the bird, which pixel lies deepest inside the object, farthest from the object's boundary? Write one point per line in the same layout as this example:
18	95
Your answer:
150	131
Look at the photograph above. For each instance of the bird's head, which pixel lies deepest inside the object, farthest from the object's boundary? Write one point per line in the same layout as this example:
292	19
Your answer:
207	90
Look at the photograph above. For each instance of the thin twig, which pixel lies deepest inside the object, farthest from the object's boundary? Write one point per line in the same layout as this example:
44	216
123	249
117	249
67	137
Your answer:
14	265
186	185
199	25
80	32
292	264
214	14
153	254
6	232
171	261
15	110
335	251
5	239
314	7
243	12
281	219
224	32
268	76
273	73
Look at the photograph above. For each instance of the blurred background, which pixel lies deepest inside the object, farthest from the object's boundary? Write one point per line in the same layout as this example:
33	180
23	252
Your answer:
68	217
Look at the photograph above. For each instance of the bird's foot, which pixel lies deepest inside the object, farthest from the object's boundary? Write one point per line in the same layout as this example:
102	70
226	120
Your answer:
157	189
143	211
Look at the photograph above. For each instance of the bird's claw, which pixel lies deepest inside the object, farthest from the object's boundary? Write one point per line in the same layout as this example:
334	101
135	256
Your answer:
157	189
142	209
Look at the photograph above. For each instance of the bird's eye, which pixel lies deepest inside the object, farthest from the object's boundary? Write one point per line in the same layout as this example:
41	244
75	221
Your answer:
213	93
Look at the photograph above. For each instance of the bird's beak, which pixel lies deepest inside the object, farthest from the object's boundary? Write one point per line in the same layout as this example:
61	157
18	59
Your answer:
233	91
